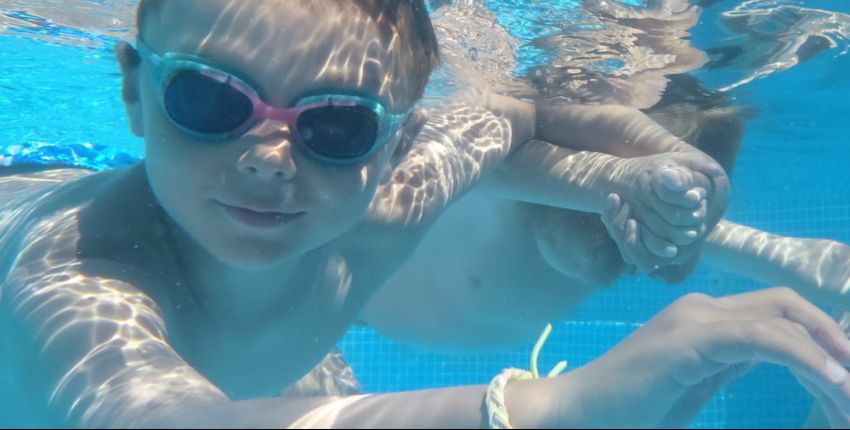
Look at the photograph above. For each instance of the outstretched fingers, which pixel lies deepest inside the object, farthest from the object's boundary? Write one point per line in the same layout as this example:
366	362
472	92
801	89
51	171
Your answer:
778	341
785	303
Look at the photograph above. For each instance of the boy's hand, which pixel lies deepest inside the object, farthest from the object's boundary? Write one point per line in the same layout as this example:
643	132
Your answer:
665	372
664	206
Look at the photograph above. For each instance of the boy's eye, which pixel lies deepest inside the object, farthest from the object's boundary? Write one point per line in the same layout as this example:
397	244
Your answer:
204	104
339	131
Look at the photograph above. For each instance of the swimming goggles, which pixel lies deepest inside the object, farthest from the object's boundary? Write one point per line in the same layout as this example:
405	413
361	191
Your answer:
210	104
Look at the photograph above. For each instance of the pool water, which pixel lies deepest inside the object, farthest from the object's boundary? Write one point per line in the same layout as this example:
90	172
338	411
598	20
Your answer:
59	102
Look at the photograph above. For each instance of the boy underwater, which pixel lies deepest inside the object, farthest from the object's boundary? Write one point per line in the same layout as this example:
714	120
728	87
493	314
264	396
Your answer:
228	263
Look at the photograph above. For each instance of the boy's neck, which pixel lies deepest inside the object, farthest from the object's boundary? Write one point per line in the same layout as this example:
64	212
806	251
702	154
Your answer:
230	292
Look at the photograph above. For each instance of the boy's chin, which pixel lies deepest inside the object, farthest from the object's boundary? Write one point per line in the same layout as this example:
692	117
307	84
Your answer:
246	258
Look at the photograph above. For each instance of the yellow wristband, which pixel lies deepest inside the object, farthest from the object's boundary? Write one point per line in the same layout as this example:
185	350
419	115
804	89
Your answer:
494	400
497	412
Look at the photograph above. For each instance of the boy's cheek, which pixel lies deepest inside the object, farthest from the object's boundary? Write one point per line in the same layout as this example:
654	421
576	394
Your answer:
168	146
176	174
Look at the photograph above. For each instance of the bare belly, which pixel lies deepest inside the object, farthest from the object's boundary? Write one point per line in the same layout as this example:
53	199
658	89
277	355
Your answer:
473	281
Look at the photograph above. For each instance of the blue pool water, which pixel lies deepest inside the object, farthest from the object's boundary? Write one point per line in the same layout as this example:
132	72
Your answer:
59	102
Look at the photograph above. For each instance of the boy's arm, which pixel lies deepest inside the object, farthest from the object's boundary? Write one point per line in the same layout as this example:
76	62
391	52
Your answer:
98	352
553	175
461	142
816	268
101	347
586	153
92	349
624	133
98	346
470	137
617	130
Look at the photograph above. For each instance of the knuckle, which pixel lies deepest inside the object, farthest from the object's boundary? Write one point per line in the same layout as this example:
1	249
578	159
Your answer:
694	299
653	244
681	218
691	311
787	294
757	331
681	238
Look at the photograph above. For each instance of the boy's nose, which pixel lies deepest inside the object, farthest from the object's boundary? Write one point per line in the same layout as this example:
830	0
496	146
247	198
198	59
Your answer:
270	159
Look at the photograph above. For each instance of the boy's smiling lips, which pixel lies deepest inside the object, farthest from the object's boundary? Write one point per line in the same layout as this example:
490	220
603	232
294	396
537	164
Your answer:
259	218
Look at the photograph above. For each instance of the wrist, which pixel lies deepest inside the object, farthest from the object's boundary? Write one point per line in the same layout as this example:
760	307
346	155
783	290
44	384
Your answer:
615	176
537	403
535	120
542	119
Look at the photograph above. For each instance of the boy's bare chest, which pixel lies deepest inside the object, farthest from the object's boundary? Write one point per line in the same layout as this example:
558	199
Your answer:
248	363
262	353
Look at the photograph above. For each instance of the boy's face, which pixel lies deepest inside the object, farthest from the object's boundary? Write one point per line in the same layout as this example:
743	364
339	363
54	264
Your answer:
216	190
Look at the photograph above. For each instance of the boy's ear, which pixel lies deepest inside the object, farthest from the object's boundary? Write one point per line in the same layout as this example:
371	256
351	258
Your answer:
129	60
409	132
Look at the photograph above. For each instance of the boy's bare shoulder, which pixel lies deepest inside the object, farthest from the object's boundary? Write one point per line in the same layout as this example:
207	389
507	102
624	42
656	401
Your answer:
28	193
22	184
59	216
72	289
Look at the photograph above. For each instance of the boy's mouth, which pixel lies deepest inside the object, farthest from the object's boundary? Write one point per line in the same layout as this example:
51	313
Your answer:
257	219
